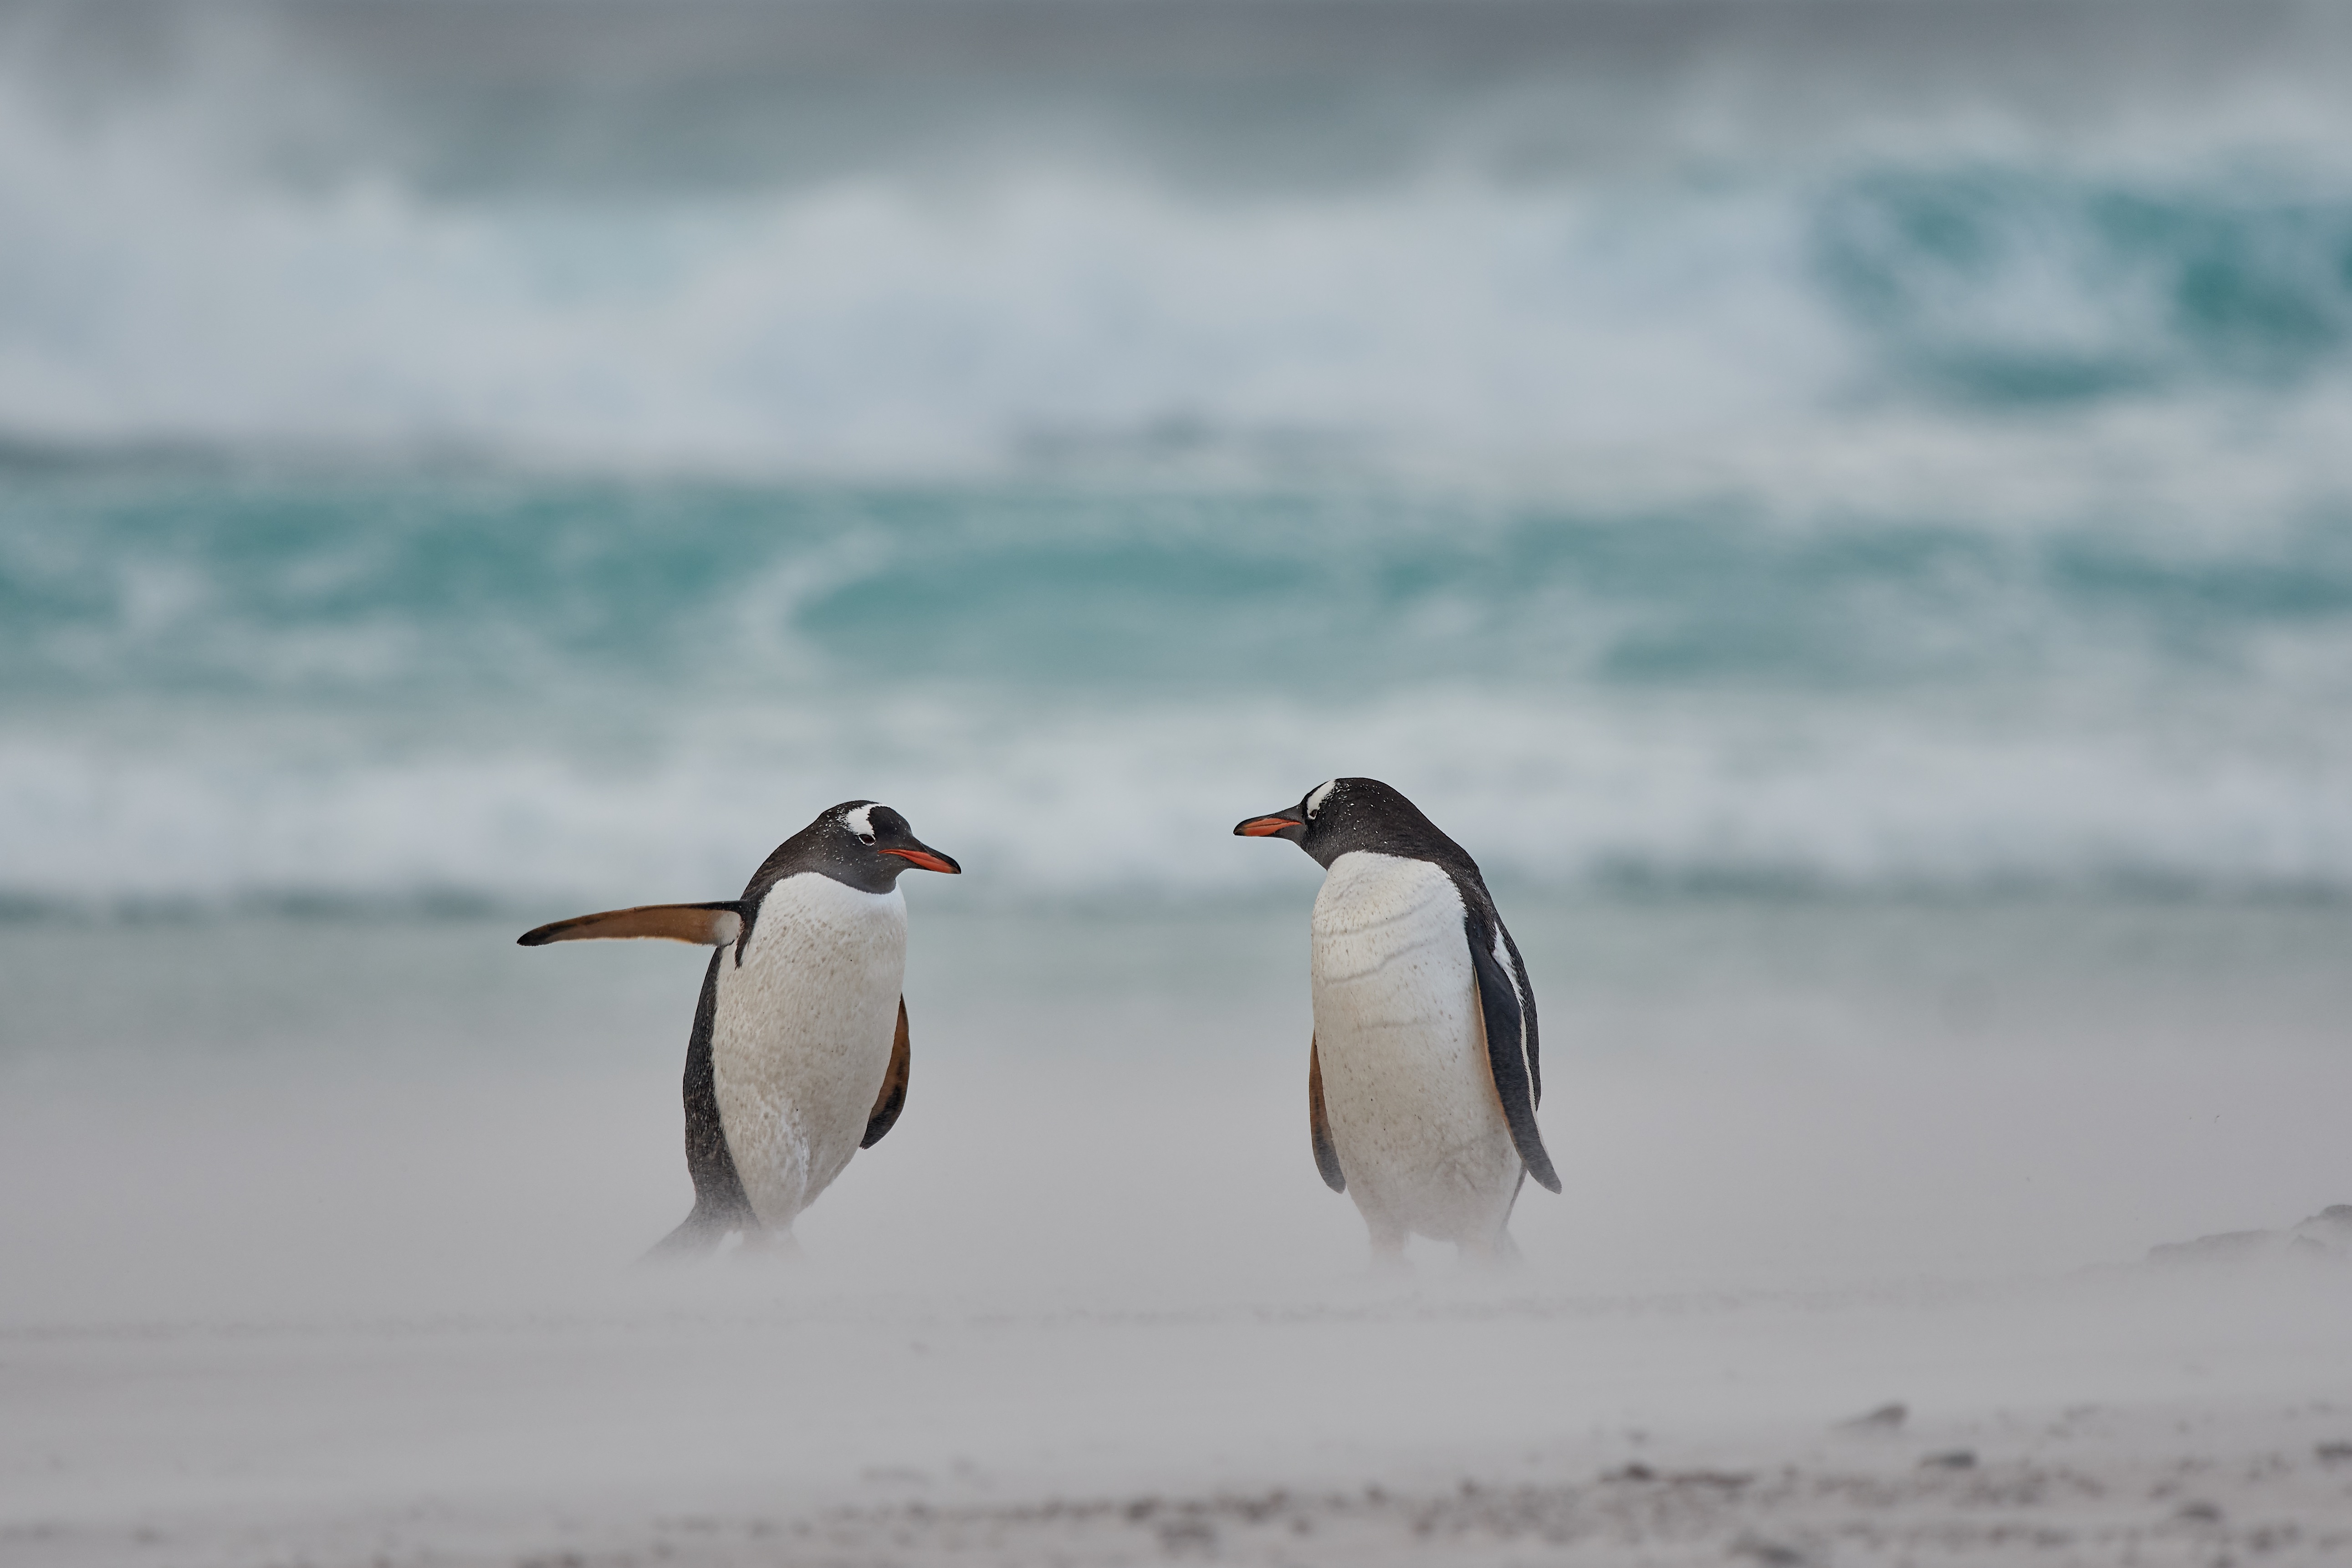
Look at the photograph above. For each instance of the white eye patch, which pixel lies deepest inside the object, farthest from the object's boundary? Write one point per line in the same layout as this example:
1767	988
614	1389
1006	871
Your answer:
1315	801
859	821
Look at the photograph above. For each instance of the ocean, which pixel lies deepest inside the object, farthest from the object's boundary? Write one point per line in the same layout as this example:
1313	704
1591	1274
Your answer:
506	453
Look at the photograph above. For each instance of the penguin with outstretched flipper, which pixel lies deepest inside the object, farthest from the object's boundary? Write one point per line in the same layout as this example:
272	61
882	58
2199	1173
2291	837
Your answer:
799	1055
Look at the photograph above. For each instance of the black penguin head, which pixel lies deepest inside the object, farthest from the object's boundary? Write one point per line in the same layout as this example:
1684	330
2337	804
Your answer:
864	844
1342	815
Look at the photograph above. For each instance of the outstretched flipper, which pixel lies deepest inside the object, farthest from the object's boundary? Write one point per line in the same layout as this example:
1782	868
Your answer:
1509	1016
1318	1124
893	1098
706	925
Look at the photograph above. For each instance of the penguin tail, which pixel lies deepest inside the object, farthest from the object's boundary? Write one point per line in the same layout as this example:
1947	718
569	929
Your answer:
697	1235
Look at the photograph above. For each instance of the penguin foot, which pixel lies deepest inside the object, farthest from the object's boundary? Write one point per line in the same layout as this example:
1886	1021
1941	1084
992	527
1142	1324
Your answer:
1387	1253
1496	1252
758	1242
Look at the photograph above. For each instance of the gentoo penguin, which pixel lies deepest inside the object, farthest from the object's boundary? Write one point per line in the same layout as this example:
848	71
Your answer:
799	1055
1421	1080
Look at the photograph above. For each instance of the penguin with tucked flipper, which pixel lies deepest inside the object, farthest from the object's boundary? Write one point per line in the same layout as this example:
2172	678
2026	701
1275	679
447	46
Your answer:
1422	1078
798	1054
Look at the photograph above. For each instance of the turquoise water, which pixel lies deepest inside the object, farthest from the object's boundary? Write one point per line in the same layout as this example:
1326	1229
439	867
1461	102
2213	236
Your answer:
486	456
222	688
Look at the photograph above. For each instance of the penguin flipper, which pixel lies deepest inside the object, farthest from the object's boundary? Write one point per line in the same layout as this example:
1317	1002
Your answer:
1508	1028
893	1098
705	925
721	1204
1318	1124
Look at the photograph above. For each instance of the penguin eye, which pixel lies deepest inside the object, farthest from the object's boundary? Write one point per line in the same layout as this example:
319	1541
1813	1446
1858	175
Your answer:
866	838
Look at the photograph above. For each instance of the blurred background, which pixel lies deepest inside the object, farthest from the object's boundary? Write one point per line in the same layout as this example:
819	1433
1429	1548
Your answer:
1843	505
488	451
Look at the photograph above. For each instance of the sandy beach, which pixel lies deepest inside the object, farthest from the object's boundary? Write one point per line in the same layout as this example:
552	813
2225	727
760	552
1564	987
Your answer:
364	1295
2124	1418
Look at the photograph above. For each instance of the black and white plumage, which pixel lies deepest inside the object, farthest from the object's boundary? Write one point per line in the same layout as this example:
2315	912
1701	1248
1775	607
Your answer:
1423	1075
799	1055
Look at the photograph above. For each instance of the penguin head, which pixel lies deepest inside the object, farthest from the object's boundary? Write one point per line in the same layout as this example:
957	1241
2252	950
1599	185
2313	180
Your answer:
1341	814
866	844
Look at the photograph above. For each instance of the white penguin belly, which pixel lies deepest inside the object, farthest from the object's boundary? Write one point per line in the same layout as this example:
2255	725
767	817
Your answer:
801	1038
1407	1089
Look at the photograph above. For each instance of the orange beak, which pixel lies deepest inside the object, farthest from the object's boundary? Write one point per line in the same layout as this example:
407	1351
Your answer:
927	860
1264	826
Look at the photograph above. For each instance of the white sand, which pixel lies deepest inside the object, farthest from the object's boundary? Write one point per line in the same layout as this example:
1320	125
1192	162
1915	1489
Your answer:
2108	1420
345	1281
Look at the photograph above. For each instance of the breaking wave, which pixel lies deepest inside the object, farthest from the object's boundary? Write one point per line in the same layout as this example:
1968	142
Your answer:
497	453
505	689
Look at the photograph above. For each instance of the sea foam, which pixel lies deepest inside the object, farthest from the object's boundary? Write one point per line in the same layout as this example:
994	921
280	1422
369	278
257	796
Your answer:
466	454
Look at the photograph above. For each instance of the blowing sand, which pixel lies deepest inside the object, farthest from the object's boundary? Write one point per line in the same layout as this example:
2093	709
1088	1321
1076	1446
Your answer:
352	1285
2125	1419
